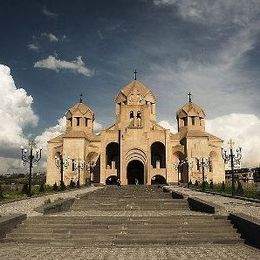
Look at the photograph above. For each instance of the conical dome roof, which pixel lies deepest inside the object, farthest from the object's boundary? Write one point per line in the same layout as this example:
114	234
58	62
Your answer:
82	109
190	109
137	86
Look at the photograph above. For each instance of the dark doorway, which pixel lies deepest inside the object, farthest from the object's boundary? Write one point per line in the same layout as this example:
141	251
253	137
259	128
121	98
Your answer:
112	180
158	154
158	179
135	171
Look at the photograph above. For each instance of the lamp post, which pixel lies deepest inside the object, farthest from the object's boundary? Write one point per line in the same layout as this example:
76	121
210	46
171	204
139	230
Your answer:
90	167
234	158
31	159
203	163
61	163
80	165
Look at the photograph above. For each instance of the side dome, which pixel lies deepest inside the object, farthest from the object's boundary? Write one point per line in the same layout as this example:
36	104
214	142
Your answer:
190	109
80	118
81	109
135	92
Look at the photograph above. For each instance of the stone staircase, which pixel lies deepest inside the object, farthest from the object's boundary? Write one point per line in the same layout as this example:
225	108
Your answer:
150	217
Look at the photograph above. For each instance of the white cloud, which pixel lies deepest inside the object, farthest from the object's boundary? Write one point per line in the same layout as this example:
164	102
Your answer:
76	66
244	129
167	125
47	12
33	47
50	133
222	12
50	36
15	114
97	127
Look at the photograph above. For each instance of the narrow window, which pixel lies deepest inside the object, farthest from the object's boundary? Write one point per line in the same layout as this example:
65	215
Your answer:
198	165
73	165
86	121
193	120
131	119
185	121
139	118
77	121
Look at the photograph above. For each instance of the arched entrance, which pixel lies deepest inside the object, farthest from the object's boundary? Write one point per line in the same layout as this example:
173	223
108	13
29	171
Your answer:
112	180
135	171
158	179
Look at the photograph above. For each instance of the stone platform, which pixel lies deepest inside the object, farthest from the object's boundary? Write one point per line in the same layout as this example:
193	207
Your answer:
130	222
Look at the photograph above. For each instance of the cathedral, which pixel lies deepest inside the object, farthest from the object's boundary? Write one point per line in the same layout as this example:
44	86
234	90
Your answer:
135	149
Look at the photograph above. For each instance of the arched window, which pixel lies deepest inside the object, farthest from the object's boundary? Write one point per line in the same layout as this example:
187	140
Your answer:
131	118
158	154
139	119
86	121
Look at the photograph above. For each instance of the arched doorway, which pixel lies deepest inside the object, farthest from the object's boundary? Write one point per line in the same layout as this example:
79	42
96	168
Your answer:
158	179
112	180
135	171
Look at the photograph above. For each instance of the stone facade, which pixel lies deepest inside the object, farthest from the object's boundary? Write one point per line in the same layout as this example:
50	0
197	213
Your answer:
135	148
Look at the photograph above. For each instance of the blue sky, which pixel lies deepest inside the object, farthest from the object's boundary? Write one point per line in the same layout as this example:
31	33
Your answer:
59	49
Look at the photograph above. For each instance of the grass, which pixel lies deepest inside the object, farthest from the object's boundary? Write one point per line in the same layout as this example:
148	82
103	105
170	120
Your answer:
10	193
243	190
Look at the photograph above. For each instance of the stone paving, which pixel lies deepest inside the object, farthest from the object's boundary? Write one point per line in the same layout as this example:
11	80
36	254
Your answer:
27	206
209	252
229	204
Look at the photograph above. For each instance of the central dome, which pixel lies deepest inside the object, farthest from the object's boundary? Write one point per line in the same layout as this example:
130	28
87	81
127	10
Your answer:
135	91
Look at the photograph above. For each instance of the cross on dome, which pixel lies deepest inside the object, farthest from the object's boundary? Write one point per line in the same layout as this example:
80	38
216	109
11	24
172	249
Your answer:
189	95
135	72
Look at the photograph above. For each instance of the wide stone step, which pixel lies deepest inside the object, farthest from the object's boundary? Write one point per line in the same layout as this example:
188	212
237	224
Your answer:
128	230
125	235
144	221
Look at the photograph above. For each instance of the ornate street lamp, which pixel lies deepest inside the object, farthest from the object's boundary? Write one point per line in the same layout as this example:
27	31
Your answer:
233	158
79	165
31	159
61	163
202	164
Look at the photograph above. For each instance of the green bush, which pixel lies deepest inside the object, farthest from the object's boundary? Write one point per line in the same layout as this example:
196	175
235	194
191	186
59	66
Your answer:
62	186
72	184
55	187
1	192
223	186
42	188
25	189
211	186
240	189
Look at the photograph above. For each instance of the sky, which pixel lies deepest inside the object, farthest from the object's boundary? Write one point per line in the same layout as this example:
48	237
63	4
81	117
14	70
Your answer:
51	51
